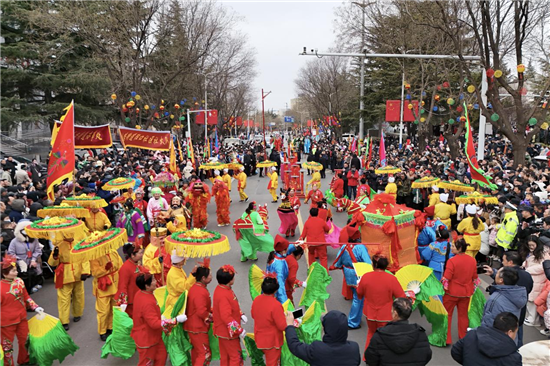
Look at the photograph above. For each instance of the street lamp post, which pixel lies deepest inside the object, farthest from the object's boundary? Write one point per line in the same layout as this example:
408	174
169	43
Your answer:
263	118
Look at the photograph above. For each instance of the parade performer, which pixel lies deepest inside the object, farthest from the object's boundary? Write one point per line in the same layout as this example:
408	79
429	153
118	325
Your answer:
68	280
221	196
273	183
391	187
176	208
148	325
333	234
287	215
471	227
97	221
199	315
459	282
277	264
227	317
443	210
177	281
292	282
338	186
363	198
105	286
155	259
434	197
199	196
378	288
133	221
156	205
428	234
315	179
354	252
314	231
140	203
294	200
241	177
178	224
315	195
127	275
216	176
269	321
227	179
251	233
438	252
15	301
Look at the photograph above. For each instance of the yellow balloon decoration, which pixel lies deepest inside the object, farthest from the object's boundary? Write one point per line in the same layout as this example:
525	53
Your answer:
138	97
171	116
498	73
410	106
423	103
544	126
138	127
422	119
130	104
146	106
521	68
113	96
471	89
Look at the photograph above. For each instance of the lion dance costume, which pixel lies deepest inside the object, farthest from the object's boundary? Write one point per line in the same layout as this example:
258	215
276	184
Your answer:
199	196
220	192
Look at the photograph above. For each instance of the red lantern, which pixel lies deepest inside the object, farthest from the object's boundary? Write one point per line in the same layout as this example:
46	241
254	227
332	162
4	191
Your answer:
439	87
176	106
446	84
124	109
459	109
462	119
490	73
156	115
161	107
437	97
137	110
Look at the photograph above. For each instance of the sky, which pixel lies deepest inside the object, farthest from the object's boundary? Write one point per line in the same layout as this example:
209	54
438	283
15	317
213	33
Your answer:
278	31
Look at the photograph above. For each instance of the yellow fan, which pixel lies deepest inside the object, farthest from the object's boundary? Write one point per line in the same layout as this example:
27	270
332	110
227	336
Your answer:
361	268
288	306
412	276
160	294
255	279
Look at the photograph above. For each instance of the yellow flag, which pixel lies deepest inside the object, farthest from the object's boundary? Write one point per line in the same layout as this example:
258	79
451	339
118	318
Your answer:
173	164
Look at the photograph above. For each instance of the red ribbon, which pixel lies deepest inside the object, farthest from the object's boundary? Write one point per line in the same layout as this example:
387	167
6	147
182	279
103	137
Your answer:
59	274
104	282
390	229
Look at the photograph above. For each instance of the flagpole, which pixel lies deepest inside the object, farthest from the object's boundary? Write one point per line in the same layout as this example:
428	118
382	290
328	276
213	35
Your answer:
205	113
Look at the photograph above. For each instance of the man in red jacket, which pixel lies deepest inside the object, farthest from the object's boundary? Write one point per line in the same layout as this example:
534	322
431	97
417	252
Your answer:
269	321
314	232
379	288
199	313
227	318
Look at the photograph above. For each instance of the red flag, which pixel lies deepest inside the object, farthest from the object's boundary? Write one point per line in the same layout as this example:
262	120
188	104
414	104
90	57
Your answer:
239	121
476	173
199	118
62	161
212	117
393	110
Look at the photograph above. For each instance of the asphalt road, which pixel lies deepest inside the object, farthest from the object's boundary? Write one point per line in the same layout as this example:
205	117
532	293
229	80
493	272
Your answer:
85	334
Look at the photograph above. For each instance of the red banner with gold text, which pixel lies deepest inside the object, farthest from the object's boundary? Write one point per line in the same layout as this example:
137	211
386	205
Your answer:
149	140
89	137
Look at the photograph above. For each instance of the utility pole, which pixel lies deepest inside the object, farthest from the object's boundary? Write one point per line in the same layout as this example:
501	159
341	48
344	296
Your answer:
363	6
263	118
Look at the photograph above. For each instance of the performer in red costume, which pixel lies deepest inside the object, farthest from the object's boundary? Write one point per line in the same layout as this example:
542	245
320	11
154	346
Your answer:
314	231
199	314
148	325
221	195
14	303
292	282
378	288
227	318
269	321
315	195
127	275
199	196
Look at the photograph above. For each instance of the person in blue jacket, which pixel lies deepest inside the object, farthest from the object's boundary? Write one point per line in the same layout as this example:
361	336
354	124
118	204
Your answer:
427	235
276	263
349	254
438	252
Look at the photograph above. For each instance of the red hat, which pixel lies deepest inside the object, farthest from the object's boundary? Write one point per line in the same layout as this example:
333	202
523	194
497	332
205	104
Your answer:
9	261
430	210
353	233
280	243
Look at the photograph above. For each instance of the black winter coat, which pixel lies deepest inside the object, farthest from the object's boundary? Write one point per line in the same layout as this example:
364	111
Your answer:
486	346
399	343
334	350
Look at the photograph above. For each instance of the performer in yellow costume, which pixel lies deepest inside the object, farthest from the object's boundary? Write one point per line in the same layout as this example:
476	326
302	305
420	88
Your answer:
434	197
471	227
68	282
391	187
179	224
227	179
105	286
153	257
97	221
315	178
241	177
443	210
273	183
177	281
